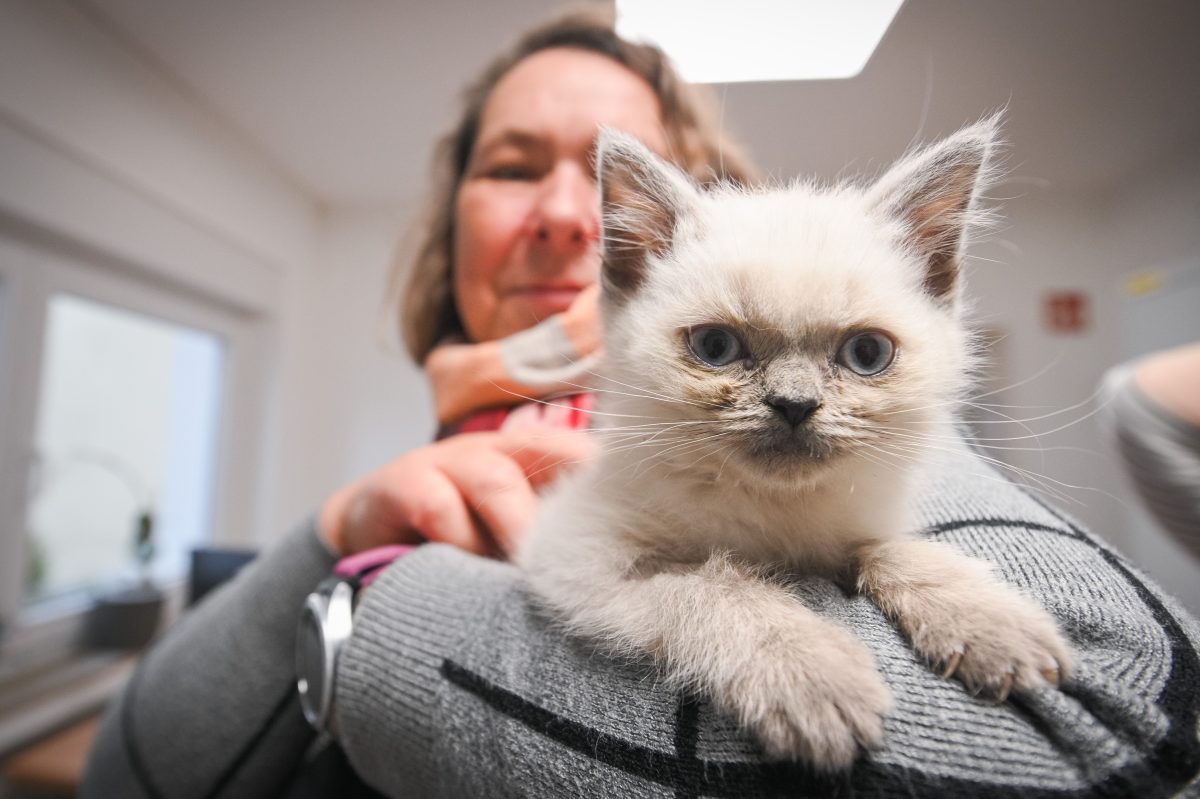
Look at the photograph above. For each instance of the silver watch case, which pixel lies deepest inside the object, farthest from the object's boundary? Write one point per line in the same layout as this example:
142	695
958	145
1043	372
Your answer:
325	625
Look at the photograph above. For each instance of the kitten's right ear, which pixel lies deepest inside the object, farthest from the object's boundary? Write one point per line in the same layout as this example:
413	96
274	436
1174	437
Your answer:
642	199
933	194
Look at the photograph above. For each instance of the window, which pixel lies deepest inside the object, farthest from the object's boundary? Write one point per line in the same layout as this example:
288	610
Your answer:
121	393
127	416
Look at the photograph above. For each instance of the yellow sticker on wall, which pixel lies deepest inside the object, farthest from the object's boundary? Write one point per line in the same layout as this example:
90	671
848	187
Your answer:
1143	283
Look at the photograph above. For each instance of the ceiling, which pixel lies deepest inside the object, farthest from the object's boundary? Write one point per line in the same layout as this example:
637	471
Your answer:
346	96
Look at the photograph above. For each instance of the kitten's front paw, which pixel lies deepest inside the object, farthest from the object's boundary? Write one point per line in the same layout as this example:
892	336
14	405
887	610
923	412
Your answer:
994	641
820	700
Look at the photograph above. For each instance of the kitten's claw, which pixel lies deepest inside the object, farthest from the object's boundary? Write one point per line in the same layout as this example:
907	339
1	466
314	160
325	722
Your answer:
952	665
1005	687
995	642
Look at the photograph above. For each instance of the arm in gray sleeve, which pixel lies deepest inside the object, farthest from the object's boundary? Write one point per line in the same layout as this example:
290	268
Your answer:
212	709
454	684
1160	453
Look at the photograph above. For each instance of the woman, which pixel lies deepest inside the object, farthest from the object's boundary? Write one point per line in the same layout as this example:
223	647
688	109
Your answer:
513	240
502	289
452	686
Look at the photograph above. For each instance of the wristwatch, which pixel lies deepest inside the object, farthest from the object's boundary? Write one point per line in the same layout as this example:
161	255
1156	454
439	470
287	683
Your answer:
325	626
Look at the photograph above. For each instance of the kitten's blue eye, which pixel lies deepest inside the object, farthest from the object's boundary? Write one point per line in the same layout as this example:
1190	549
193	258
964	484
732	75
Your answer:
716	346
867	354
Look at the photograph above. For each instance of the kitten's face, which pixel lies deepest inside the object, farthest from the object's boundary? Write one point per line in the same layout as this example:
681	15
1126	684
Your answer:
787	330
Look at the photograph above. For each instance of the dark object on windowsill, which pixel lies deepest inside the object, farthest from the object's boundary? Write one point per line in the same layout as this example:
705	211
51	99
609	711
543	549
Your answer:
125	619
211	567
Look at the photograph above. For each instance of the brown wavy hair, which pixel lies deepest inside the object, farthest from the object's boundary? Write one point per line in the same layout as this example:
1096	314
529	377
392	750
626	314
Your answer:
423	275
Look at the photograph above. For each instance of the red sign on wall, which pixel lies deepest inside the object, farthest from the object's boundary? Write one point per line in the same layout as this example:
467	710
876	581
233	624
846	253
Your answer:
1067	312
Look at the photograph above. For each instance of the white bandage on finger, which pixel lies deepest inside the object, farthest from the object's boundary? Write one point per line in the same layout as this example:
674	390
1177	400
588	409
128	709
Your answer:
543	356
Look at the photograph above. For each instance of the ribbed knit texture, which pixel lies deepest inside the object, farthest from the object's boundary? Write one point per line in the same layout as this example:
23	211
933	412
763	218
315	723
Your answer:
212	710
455	686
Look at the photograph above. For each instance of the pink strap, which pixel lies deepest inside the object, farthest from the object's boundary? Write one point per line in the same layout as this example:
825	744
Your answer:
367	565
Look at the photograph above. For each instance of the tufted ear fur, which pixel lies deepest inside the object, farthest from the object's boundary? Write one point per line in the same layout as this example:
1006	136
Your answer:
933	195
643	199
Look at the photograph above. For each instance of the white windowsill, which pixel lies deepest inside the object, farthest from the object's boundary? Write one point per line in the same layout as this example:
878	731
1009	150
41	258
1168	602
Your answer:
47	680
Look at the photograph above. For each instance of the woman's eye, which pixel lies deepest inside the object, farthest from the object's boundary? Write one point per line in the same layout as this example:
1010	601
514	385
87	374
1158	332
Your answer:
511	172
715	346
867	354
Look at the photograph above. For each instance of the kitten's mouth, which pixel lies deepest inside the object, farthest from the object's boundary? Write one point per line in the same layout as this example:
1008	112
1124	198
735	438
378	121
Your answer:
801	448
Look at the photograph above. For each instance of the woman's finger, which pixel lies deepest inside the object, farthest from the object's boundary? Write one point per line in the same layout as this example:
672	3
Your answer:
581	321
430	502
497	491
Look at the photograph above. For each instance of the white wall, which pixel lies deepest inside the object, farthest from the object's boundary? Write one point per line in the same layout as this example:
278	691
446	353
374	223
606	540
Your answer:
1155	227
1049	241
105	159
1054	240
74	87
349	398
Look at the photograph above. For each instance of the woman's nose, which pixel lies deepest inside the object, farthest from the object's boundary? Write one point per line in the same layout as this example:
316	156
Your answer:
567	214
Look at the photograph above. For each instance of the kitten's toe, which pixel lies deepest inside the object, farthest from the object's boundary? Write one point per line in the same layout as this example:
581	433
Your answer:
1004	647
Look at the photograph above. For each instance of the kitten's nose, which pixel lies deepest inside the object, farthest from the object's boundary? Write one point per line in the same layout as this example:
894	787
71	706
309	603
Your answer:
795	411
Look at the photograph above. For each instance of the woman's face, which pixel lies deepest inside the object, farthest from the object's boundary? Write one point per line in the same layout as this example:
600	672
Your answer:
527	215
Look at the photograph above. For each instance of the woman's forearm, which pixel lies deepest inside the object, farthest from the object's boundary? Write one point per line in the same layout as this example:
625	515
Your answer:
1172	379
456	684
212	709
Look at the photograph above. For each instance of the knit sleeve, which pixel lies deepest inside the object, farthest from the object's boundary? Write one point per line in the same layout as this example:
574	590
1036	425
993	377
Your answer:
212	709
455	685
1160	453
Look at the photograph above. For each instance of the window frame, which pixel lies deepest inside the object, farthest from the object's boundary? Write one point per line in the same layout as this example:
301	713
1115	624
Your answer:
34	268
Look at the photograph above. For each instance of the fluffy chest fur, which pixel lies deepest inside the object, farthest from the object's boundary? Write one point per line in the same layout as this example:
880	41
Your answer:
688	510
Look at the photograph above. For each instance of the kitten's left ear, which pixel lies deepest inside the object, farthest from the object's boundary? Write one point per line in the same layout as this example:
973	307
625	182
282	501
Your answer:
643	201
932	194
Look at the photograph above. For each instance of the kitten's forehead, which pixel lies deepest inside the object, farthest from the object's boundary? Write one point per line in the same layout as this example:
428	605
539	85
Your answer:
796	257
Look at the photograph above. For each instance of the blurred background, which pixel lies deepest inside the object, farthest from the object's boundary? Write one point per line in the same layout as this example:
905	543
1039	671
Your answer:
200	204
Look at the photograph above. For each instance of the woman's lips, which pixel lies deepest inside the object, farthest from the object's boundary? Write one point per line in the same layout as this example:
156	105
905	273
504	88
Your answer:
546	299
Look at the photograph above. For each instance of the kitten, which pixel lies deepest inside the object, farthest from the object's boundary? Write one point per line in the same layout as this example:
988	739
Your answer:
773	361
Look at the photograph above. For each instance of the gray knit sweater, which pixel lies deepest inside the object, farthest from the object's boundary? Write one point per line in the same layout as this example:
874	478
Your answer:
455	686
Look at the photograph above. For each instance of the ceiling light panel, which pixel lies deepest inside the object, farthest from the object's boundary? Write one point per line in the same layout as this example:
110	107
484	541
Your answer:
715	41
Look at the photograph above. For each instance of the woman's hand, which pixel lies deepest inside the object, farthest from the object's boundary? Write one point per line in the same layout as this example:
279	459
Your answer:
477	491
582	321
455	398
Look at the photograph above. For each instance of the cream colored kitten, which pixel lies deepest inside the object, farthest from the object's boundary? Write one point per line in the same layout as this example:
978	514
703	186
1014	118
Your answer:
774	360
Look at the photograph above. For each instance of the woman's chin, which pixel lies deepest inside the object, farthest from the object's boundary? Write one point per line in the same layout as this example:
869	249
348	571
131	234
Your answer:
522	311
542	303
